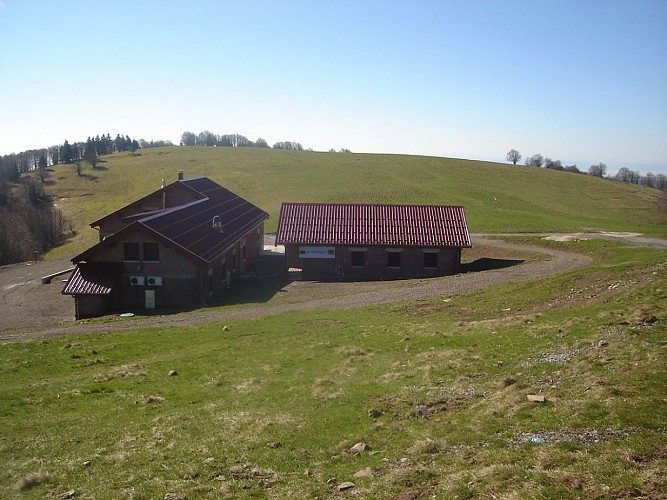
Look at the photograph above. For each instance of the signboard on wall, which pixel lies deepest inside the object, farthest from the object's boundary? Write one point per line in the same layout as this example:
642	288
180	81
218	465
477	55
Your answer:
308	252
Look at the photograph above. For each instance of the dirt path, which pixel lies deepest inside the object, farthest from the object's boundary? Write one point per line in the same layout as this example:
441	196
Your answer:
30	310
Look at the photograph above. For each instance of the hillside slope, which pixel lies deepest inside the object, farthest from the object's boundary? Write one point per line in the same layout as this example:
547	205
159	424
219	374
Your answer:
497	197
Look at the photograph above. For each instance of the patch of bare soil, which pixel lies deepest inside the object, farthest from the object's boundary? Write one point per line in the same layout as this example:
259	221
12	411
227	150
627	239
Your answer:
32	311
28	305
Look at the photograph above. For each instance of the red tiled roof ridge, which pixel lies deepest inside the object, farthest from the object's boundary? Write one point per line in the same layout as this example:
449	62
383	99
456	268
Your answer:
373	224
336	204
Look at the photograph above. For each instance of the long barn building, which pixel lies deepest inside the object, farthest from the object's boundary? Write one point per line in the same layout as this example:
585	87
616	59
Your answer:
361	241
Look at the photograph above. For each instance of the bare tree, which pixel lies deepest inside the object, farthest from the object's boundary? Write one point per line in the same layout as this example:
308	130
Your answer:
514	156
598	170
535	160
649	180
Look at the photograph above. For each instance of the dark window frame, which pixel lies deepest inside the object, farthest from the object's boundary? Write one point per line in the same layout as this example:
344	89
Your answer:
148	254
394	259
358	258
131	249
431	260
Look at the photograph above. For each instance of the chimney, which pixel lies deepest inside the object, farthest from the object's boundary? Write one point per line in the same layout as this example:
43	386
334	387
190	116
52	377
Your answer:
217	223
180	175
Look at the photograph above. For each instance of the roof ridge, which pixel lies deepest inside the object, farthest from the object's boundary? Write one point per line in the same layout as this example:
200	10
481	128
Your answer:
324	204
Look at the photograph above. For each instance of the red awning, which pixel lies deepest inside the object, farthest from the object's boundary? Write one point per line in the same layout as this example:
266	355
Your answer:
93	278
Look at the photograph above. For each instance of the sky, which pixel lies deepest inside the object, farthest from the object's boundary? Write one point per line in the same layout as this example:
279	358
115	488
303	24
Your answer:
578	81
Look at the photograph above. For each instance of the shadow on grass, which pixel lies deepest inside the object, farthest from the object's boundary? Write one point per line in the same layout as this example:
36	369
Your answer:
488	264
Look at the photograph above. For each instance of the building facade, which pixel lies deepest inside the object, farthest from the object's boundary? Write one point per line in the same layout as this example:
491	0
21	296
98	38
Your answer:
174	248
359	241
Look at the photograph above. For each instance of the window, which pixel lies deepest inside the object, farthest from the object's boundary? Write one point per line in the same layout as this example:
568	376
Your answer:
431	260
131	251
393	259
357	258
152	252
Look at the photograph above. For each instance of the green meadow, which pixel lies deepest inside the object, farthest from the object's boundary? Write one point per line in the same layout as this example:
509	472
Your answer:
435	391
550	388
497	197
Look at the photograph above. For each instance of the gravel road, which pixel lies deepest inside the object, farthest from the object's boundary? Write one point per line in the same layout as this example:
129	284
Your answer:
32	311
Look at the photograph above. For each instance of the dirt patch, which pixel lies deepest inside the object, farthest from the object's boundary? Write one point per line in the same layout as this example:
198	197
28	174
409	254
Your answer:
28	305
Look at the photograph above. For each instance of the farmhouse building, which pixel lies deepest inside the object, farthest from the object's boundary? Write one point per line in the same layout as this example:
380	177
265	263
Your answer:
173	248
353	241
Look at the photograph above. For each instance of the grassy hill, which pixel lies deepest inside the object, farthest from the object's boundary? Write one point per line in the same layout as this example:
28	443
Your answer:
436	391
497	197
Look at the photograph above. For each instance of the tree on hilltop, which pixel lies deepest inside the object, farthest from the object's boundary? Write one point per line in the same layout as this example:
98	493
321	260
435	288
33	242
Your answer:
188	139
514	156
553	164
288	145
598	170
90	152
535	160
66	152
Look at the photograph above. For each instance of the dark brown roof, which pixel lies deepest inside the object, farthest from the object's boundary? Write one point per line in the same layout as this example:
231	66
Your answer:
189	227
385	225
93	278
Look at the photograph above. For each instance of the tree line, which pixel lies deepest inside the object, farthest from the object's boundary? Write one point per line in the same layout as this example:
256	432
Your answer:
207	138
624	174
29	223
15	164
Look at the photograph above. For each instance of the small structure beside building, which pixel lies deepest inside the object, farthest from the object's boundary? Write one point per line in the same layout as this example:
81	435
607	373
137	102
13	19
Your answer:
358	241
171	249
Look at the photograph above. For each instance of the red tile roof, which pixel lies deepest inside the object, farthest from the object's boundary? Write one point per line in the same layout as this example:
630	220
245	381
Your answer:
385	225
93	278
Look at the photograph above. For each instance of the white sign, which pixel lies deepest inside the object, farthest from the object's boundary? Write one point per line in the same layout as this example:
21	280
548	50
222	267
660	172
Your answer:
317	252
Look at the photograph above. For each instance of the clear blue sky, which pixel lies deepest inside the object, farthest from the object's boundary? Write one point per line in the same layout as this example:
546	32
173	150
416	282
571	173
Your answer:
581	81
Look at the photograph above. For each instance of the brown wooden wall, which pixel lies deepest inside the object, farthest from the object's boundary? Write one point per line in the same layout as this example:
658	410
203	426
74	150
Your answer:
185	282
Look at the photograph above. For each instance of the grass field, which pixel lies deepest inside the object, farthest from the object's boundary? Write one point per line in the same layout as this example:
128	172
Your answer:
413	400
496	197
436	391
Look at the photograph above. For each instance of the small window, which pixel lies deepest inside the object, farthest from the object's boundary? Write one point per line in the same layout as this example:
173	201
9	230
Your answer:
152	252
131	251
431	260
393	259
357	258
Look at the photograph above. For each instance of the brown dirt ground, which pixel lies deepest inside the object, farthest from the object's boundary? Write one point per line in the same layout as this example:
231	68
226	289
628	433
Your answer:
31	310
